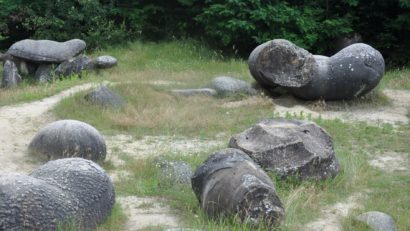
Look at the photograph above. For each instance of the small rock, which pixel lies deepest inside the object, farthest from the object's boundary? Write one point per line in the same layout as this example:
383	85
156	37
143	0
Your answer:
46	50
289	147
45	73
69	138
378	221
176	171
193	92
11	76
74	66
105	61
226	85
103	96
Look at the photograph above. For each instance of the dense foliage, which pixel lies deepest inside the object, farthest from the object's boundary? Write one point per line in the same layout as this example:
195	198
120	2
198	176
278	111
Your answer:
229	25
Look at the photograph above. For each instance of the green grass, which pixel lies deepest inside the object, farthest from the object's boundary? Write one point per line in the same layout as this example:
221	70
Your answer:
151	110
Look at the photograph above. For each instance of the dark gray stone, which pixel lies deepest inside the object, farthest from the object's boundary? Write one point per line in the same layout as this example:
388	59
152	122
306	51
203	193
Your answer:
352	72
378	221
11	76
24	67
194	92
74	66
105	61
230	183
46	50
280	62
45	73
178	172
69	138
289	147
103	96
64	192
225	85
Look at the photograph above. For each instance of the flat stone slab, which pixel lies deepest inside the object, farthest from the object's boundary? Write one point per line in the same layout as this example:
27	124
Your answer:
46	50
193	92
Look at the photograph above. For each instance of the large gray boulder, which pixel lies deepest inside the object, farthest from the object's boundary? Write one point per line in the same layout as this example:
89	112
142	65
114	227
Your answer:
69	138
105	61
378	221
226	86
289	148
74	66
352	72
229	183
11	76
281	63
46	50
103	96
68	192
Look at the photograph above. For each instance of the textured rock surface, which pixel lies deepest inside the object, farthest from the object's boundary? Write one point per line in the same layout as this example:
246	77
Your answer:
175	171
378	221
68	191
69	138
352	72
289	147
193	92
230	183
10	75
74	66
103	96
105	61
280	62
45	73
225	85
46	50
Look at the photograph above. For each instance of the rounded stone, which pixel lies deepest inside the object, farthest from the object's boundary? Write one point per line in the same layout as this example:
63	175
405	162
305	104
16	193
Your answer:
226	86
105	61
378	221
103	96
69	138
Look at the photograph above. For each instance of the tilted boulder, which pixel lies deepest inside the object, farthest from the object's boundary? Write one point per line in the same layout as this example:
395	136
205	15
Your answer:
103	96
281	63
74	66
289	148
68	192
46	50
69	138
229	183
11	76
352	72
226	86
105	61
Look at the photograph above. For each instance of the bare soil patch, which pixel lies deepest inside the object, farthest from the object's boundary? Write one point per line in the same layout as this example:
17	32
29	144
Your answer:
392	162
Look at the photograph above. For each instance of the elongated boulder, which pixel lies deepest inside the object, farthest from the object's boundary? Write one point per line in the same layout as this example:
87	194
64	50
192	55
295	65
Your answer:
352	72
229	183
11	77
194	92
46	50
69	138
289	148
281	63
103	96
74	66
68	192
225	86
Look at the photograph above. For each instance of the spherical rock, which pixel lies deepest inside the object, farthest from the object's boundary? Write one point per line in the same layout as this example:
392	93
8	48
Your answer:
226	86
11	77
46	50
281	63
103	96
69	138
289	148
105	61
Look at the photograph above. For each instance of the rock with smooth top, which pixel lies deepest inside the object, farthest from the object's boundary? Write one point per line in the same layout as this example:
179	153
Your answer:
226	85
103	96
378	221
105	61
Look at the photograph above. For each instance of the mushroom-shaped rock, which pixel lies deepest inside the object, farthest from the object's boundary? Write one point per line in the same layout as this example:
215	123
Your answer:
289	147
105	61
64	192
378	221
103	96
46	50
352	72
230	183
69	138
74	66
226	85
11	77
281	63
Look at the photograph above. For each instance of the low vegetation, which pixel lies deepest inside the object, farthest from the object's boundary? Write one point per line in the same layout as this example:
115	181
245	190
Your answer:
145	74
